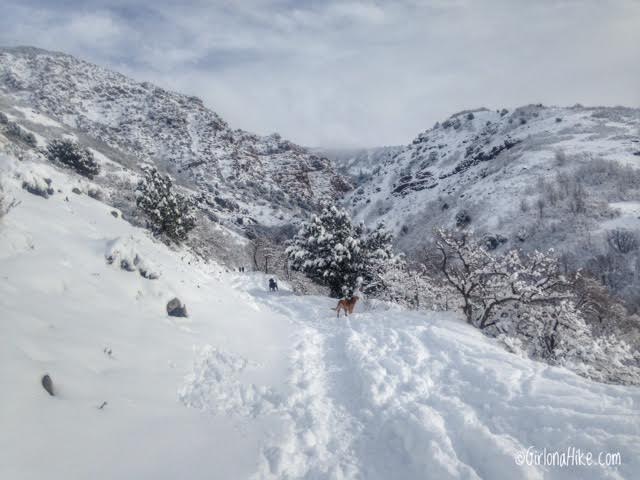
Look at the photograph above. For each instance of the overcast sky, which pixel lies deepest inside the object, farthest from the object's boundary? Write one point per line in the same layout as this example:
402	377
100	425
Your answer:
350	73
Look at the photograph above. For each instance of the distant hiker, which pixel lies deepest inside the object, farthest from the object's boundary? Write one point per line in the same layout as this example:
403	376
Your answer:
273	285
346	304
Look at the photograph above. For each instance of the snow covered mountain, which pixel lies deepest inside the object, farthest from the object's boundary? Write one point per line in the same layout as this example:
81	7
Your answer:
257	385
270	385
237	175
532	177
359	164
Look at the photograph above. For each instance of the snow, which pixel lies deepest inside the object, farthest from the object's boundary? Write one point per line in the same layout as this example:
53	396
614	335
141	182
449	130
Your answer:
35	117
255	384
132	122
491	191
62	304
629	216
103	160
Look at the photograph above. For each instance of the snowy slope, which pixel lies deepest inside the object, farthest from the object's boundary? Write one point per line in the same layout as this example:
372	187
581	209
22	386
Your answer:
255	385
360	164
496	166
235	173
62	305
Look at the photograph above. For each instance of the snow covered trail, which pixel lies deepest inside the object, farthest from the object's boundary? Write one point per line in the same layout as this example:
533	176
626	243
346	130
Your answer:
403	395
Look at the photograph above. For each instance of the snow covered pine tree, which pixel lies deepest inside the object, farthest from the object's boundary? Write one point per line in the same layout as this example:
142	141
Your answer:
330	250
168	213
72	155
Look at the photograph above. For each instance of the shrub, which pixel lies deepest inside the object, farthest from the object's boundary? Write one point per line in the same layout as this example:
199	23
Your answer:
560	157
30	139
463	218
5	203
622	241
72	155
38	186
168	213
16	131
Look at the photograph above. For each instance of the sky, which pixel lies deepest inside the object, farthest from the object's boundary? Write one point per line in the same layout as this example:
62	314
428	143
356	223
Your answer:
350	73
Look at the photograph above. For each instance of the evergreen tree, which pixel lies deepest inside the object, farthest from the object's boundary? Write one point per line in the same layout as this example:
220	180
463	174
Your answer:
378	249
73	155
168	213
333	252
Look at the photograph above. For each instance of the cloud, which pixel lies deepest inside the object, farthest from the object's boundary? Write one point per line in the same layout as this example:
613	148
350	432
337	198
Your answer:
340	73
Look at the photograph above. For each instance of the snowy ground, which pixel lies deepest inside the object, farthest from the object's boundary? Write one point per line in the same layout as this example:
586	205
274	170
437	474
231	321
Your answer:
252	384
629	216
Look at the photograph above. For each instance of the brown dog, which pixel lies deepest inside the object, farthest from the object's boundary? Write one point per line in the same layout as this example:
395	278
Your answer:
346	304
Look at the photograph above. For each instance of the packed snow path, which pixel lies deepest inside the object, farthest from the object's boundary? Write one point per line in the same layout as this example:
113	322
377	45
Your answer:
402	395
255	384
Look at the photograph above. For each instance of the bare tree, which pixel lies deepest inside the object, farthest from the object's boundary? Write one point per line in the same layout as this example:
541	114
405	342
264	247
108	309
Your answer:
265	255
485	283
622	241
540	204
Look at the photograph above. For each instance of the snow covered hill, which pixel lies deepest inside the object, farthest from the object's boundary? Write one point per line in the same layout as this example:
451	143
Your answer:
236	174
359	164
252	384
535	177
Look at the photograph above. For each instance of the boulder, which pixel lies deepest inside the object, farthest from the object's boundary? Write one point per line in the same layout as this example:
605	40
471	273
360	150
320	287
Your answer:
47	384
175	308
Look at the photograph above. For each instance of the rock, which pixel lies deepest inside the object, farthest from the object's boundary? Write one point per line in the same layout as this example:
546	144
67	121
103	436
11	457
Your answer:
226	203
76	190
47	384
148	274
521	234
176	309
494	241
125	264
96	194
114	213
